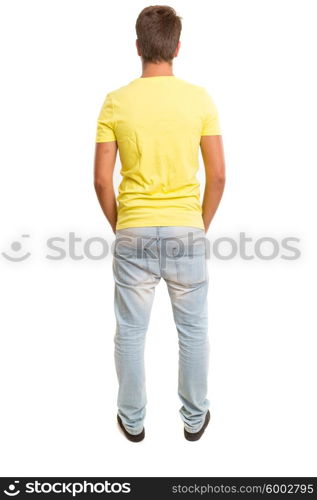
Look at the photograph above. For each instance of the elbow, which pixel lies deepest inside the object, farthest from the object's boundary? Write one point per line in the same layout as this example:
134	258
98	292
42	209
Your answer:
221	179
100	183
218	179
220	176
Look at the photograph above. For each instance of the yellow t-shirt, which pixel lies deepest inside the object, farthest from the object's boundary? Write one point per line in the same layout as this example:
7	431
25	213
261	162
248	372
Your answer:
157	122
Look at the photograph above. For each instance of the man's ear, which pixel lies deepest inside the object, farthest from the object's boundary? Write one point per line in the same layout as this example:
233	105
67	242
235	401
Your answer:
137	46
177	49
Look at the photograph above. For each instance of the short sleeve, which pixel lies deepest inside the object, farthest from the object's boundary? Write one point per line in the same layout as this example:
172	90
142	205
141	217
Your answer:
211	123
105	122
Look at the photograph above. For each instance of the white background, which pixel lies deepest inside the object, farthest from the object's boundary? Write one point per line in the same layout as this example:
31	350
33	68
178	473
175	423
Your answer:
59	387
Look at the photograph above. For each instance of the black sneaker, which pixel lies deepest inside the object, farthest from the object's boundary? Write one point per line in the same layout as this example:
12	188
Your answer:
194	436
132	437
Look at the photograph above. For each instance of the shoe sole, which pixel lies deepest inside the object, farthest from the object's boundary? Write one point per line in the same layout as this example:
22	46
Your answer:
194	436
135	438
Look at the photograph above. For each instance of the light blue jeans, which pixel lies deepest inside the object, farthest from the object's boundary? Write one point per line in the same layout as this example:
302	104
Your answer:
142	255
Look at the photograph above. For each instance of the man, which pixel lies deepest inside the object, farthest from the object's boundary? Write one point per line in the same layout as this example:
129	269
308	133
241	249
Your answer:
158	121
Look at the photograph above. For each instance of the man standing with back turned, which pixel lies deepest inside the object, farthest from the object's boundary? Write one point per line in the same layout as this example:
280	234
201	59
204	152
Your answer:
158	122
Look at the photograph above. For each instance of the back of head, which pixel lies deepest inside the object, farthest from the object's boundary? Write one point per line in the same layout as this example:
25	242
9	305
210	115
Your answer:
158	30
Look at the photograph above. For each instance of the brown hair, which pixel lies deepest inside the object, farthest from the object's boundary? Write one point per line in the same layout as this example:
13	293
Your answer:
158	30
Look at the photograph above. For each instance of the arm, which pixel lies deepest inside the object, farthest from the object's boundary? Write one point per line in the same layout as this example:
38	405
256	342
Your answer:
105	159
213	157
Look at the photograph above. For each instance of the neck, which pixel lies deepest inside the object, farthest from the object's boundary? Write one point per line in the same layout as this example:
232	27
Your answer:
157	69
